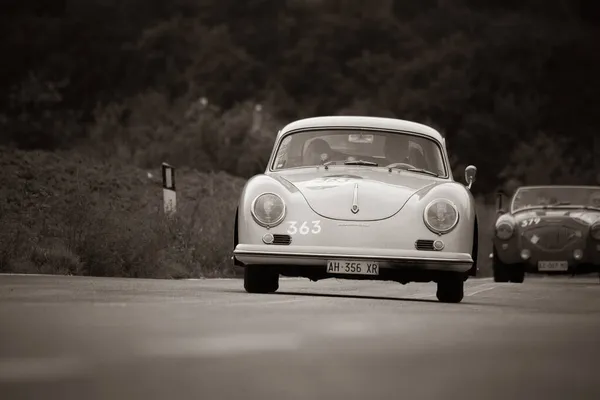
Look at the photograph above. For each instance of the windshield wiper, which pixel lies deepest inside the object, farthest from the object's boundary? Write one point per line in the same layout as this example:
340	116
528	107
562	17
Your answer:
326	164
361	162
424	171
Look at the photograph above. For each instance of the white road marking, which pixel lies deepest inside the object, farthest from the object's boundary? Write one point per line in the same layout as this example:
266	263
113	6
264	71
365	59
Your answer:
417	296
37	369
220	345
347	329
225	303
482	290
425	296
269	302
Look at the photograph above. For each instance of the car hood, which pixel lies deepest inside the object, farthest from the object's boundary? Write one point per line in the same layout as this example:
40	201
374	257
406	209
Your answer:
588	217
378	194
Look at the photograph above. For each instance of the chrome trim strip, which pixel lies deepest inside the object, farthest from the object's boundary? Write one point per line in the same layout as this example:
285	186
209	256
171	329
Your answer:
354	208
349	256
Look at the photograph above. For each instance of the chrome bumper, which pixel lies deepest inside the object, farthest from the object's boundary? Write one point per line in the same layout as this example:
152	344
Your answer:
318	256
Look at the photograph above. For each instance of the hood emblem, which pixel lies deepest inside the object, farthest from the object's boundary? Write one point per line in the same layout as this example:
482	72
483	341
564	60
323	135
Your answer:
354	208
535	238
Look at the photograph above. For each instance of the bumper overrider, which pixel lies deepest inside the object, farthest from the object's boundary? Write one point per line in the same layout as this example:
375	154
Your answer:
318	256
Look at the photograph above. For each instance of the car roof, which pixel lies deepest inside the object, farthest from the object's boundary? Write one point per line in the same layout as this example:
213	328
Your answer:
338	121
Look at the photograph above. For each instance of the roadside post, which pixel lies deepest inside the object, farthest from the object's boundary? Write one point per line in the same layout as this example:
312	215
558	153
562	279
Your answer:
257	118
169	191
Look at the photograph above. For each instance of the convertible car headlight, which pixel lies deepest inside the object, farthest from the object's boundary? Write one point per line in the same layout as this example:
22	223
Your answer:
504	230
268	209
441	216
595	231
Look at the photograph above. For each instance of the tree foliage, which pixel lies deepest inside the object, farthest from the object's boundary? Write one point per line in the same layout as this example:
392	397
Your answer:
117	77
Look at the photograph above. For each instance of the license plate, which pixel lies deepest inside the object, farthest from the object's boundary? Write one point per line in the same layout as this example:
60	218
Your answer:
553	265
353	267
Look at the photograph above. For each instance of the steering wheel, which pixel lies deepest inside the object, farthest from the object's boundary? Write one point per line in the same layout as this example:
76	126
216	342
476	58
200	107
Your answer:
400	164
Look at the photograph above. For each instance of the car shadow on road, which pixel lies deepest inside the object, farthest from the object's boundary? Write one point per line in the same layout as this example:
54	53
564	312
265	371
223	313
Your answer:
466	300
338	295
354	296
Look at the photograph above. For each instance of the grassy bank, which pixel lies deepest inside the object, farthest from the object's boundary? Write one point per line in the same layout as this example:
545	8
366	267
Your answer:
63	214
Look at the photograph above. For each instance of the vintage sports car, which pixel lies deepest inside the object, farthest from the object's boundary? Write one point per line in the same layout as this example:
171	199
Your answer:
357	198
547	230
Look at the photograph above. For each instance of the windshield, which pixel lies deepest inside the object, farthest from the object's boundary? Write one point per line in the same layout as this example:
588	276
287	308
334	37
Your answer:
555	196
338	146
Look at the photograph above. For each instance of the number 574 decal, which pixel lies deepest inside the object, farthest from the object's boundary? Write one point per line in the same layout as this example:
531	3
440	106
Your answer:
304	228
530	221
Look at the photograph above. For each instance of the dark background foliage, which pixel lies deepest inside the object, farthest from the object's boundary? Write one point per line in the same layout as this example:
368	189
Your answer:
492	75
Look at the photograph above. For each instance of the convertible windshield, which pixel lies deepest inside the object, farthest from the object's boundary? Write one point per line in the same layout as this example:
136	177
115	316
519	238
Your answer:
360	148
555	196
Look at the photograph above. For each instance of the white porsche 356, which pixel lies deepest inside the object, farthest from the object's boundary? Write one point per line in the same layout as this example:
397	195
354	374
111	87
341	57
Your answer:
358	198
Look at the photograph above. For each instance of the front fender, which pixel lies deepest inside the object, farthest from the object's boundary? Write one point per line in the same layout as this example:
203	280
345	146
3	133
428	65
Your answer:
506	250
462	237
249	232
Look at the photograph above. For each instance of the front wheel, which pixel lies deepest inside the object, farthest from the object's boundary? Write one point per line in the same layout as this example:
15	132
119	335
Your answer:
450	290
260	279
501	272
517	275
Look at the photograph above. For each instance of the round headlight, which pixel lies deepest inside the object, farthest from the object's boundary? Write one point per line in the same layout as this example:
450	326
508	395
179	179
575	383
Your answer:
504	230
441	216
595	231
268	209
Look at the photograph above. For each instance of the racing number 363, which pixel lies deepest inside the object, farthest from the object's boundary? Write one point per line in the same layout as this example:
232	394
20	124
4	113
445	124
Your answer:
305	228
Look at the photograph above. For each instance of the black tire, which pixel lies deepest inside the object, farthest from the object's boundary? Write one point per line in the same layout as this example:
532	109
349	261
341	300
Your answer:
260	279
474	253
517	274
451	290
501	271
501	274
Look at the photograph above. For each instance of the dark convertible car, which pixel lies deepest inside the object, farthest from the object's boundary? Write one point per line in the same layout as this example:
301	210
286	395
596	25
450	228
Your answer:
547	230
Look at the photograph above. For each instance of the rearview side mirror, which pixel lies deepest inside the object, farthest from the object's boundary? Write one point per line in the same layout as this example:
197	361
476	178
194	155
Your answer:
499	203
470	175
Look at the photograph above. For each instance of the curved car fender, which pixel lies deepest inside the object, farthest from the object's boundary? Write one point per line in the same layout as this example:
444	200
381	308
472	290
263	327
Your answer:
461	197
248	231
461	238
510	253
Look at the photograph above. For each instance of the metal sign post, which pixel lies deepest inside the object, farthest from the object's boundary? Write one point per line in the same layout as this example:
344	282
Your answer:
169	192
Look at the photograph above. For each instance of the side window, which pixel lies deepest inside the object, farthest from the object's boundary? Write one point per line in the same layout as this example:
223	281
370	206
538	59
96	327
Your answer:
282	153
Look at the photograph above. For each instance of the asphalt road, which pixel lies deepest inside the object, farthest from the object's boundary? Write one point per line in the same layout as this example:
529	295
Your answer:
91	338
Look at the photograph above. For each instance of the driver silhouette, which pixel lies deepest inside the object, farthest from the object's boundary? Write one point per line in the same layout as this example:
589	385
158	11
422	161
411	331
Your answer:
318	152
396	149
